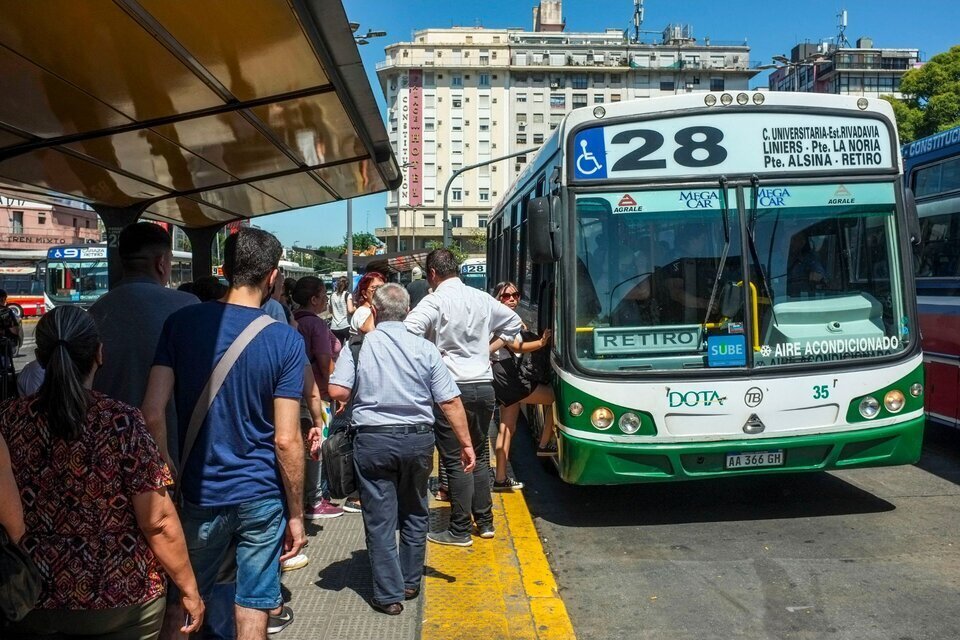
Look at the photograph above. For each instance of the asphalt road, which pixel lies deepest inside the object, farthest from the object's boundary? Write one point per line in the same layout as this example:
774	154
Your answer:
26	351
851	555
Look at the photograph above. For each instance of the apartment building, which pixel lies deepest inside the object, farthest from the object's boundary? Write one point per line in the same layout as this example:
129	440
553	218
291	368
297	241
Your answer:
462	96
862	70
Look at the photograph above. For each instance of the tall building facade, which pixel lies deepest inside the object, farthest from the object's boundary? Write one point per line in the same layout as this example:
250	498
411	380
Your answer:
858	71
31	226
461	96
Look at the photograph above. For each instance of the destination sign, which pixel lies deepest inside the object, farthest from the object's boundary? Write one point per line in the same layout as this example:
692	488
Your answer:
644	340
731	143
77	253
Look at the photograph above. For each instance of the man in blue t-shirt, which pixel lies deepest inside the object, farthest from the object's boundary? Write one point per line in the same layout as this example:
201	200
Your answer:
243	479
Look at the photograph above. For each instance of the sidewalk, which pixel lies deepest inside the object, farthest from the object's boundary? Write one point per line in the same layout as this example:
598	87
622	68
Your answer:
496	589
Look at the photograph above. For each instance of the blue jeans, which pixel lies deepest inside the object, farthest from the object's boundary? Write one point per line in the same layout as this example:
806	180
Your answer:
258	528
392	472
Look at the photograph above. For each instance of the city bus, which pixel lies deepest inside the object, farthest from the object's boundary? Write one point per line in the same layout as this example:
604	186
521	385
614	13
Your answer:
77	274
24	288
729	281
473	272
931	169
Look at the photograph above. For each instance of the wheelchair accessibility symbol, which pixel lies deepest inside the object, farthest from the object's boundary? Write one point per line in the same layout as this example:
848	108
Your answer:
589	149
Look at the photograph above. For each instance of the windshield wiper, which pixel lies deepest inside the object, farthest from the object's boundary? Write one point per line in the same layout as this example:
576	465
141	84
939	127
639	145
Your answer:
751	228
724	207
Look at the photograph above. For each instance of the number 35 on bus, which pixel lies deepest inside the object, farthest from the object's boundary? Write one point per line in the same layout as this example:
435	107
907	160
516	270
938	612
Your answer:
729	282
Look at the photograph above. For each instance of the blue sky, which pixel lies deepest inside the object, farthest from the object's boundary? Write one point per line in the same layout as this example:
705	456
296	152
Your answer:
769	28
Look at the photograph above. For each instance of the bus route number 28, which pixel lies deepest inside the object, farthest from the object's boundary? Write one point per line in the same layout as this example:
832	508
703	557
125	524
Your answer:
706	140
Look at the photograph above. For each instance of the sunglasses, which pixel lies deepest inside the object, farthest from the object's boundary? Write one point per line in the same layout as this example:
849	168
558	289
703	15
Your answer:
508	296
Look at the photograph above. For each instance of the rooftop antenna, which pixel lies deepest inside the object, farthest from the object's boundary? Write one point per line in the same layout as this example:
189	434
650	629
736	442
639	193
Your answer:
637	20
841	29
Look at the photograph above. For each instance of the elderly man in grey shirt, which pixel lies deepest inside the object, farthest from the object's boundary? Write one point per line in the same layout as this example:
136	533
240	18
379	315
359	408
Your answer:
460	320
396	382
131	316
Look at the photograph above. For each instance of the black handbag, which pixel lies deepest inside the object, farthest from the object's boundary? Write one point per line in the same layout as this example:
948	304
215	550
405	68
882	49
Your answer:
535	366
20	581
337	454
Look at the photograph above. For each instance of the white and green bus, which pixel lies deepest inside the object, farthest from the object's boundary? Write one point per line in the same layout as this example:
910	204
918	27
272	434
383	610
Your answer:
729	282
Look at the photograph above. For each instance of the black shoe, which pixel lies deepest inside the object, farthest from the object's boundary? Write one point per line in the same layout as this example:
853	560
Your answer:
410	593
445	537
510	484
392	609
485	531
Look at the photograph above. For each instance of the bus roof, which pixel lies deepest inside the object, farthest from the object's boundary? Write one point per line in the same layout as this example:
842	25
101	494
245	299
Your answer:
935	147
198	111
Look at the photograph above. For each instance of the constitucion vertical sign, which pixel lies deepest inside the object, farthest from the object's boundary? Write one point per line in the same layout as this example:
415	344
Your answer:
415	133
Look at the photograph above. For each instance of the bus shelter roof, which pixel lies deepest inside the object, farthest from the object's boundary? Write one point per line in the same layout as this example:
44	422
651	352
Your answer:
201	113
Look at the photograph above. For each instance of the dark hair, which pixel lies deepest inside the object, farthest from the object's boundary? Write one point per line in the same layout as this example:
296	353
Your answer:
249	255
67	344
497	290
341	284
209	288
3	294
141	242
306	288
443	263
364	284
186	287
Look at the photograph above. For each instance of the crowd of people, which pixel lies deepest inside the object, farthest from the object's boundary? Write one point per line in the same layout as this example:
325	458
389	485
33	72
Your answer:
160	471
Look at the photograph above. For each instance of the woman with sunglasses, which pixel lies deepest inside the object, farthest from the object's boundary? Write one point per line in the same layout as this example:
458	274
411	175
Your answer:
512	388
362	320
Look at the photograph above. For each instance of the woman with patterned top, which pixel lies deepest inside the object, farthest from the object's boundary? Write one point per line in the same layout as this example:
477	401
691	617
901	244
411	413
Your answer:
100	523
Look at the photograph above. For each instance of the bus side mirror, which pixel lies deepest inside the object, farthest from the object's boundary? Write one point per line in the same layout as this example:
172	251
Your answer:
913	219
543	229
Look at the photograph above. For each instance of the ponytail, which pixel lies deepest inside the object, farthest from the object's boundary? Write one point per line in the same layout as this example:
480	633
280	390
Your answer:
67	345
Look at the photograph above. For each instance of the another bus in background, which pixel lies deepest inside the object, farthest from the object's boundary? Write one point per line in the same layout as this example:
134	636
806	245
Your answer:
931	168
24	287
473	272
77	274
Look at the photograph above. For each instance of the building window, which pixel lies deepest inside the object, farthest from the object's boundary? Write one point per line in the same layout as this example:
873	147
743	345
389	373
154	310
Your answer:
484	124
716	84
538	77
484	79
521	97
456	221
615	78
458	103
393	220
598	78
521	118
484	195
456	124
614	97
538	118
456	195
41	218
538	138
482	222
456	80
580	81
18	222
579	100
484	59
430	220
598	98
558	101
521	138
667	85
429	124
483	102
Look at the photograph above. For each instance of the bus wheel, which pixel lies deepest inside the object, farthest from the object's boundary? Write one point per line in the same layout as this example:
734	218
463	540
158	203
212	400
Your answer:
17	310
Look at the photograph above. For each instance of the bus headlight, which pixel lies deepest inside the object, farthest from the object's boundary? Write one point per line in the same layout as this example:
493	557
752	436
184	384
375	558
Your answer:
758	98
601	418
863	103
742	98
629	423
916	389
710	100
575	409
894	400
726	99
869	407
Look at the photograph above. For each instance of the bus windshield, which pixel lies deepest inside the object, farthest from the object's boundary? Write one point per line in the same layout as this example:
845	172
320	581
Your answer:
660	277
76	281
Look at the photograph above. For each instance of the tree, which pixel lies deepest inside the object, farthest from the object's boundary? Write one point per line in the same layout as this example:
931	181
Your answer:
477	243
363	241
931	97
455	249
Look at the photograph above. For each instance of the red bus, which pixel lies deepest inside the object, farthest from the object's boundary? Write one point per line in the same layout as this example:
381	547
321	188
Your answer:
931	168
24	288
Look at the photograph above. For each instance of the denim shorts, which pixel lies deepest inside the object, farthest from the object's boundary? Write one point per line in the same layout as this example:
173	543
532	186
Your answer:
257	528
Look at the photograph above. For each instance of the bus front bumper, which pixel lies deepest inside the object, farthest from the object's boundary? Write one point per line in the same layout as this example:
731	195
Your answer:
596	463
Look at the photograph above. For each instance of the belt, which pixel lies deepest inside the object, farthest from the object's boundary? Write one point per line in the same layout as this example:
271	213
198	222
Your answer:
397	430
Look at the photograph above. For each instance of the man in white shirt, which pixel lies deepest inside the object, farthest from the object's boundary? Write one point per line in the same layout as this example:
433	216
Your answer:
460	321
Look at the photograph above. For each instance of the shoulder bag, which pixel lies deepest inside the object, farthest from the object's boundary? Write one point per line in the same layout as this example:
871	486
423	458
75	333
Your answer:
20	581
337	449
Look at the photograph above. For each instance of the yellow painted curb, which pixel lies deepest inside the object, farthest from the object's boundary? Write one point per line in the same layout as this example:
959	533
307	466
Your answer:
495	589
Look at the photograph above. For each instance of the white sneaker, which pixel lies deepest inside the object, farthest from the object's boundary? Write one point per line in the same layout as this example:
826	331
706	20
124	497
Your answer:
298	561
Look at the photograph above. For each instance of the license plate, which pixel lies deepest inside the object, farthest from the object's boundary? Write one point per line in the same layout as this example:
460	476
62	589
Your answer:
754	459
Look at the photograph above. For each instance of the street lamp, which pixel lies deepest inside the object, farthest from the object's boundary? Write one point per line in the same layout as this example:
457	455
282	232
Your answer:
794	67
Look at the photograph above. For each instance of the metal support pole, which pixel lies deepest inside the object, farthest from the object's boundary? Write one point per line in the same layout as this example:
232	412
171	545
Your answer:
201	248
115	219
447	231
350	244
